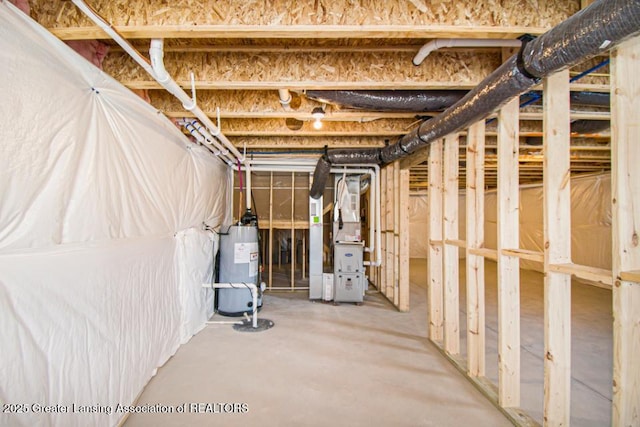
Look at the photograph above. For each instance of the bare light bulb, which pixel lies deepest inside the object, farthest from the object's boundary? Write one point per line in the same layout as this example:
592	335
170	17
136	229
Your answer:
317	124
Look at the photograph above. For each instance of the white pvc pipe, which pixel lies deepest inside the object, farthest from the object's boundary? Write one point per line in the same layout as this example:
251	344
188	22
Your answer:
156	69
156	53
107	28
441	43
254	295
284	161
285	99
200	133
247	174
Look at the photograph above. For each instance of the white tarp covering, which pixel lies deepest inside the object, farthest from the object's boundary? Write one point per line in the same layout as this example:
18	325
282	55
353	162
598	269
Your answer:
590	221
102	253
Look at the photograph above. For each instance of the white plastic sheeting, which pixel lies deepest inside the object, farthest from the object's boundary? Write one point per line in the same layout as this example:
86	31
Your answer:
590	221
102	253
418	226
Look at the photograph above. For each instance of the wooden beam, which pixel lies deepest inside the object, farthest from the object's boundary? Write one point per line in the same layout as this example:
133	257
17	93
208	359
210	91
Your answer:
450	230
383	225
557	250
474	218
456	242
491	254
625	183
508	267
271	230
524	254
403	233
305	84
599	277
389	210
434	251
404	32
292	247
396	230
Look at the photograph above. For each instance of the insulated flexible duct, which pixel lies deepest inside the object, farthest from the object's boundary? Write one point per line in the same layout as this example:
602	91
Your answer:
589	32
389	100
420	101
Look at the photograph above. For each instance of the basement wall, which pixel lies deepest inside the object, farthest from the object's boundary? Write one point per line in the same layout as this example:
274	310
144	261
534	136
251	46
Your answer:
590	221
103	251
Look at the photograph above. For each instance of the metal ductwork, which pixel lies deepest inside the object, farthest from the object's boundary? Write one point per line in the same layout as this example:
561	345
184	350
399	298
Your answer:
590	32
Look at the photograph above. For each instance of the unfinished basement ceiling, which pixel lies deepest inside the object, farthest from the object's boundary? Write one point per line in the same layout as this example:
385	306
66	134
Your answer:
242	52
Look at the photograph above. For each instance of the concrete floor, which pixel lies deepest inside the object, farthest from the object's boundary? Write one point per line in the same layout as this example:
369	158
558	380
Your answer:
372	366
320	365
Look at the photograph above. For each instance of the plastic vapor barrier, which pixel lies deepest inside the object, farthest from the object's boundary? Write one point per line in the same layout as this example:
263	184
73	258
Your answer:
590	222
102	248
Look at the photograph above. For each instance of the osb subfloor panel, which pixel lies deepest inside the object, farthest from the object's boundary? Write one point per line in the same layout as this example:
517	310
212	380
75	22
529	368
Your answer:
320	365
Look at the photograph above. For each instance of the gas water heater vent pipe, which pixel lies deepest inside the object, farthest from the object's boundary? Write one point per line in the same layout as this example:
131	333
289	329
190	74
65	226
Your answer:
254	296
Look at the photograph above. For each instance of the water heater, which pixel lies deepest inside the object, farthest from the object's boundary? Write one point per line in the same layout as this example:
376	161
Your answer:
239	263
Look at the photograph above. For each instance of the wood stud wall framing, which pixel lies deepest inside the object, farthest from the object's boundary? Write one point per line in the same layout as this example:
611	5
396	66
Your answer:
625	108
392	277
556	258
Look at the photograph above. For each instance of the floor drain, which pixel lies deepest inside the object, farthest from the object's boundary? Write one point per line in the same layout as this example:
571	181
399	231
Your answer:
247	325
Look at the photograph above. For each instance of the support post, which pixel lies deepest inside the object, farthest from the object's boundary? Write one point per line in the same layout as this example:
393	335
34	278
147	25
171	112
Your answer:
389	210
625	181
475	239
271	231
450	252
434	252
404	241
382	272
508	266
557	250
292	247
396	235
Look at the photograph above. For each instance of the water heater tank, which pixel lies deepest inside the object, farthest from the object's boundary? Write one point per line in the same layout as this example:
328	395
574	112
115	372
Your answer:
239	263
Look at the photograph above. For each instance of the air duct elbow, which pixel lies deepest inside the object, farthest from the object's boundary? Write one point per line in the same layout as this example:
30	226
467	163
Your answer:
320	176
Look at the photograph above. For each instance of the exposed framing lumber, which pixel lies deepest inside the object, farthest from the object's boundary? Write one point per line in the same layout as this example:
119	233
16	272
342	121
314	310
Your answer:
292	248
625	181
508	267
396	237
557	238
405	32
491	254
271	231
598	277
434	251
524	254
476	335
450	230
517	416
299	71
389	212
382	275
403	233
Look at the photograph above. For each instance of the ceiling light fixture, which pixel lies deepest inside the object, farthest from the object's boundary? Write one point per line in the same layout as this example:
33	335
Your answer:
317	114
